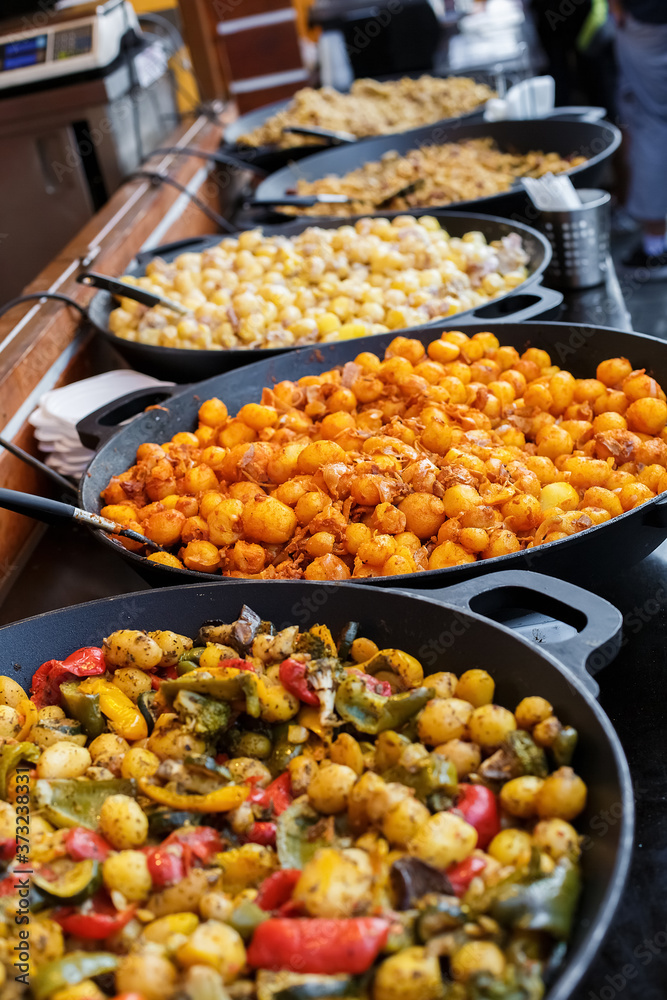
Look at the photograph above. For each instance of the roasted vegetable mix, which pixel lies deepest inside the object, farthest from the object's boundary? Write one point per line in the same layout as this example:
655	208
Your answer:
282	815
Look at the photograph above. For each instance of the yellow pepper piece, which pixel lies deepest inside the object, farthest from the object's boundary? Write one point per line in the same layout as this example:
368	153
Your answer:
406	667
159	931
323	633
124	716
221	800
29	710
309	718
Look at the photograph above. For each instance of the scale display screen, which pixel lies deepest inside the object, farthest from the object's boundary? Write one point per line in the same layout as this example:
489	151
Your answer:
23	52
73	42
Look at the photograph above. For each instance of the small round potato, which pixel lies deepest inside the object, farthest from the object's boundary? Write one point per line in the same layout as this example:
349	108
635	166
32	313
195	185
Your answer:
466	757
412	974
443	839
511	847
63	760
518	797
216	944
401	823
123	822
127	872
330	788
131	648
443	719
490	725
557	838
477	687
147	973
563	795
474	957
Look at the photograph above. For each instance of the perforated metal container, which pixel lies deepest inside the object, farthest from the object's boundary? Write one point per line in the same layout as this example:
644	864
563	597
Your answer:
579	239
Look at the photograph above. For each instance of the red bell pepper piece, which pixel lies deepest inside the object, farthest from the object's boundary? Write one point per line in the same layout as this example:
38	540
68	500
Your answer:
263	833
167	865
277	796
86	662
172	860
477	804
318	945
82	844
129	996
461	874
203	841
94	923
372	683
238	664
7	848
277	889
292	674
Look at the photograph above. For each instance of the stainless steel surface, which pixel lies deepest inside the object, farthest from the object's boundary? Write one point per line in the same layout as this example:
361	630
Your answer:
579	239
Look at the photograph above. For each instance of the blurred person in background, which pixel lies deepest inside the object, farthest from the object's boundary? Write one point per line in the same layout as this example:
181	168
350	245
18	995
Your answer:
578	41
641	51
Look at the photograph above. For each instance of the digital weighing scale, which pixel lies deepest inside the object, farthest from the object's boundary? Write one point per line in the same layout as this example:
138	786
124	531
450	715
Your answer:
84	98
70	39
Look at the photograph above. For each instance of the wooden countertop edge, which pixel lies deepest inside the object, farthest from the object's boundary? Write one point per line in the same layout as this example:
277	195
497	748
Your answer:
119	229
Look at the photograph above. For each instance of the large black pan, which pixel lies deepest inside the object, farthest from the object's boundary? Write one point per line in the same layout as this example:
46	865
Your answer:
594	140
584	557
270	158
184	365
445	634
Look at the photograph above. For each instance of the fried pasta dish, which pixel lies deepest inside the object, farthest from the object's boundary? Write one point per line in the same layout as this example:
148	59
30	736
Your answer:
277	815
453	172
371	108
425	459
255	291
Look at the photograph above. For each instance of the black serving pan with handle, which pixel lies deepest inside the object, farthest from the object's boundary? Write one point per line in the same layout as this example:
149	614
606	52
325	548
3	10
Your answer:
594	140
584	557
446	630
271	158
185	365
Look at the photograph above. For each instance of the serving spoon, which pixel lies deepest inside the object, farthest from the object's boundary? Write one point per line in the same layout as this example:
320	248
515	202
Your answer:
52	511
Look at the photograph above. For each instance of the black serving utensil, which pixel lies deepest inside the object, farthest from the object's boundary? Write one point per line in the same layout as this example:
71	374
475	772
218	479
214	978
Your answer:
122	288
54	476
310	200
332	136
52	511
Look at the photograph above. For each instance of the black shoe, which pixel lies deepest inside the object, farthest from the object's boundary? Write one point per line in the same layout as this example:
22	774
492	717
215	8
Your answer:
656	267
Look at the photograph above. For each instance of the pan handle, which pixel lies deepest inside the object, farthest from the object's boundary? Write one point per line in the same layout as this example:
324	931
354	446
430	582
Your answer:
518	307
598	622
100	425
578	113
189	242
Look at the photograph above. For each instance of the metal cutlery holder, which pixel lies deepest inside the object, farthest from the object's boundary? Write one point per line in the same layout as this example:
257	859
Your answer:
579	239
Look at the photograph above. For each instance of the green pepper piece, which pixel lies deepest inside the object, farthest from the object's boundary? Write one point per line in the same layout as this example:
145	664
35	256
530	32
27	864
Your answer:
564	746
246	918
345	638
427	776
372	713
189	660
11	756
69	802
224	688
70	970
531	758
75	885
286	985
297	840
85	708
542	904
438	915
283	751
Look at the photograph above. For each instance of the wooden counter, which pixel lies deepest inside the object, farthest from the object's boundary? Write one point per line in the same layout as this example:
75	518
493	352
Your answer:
47	344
